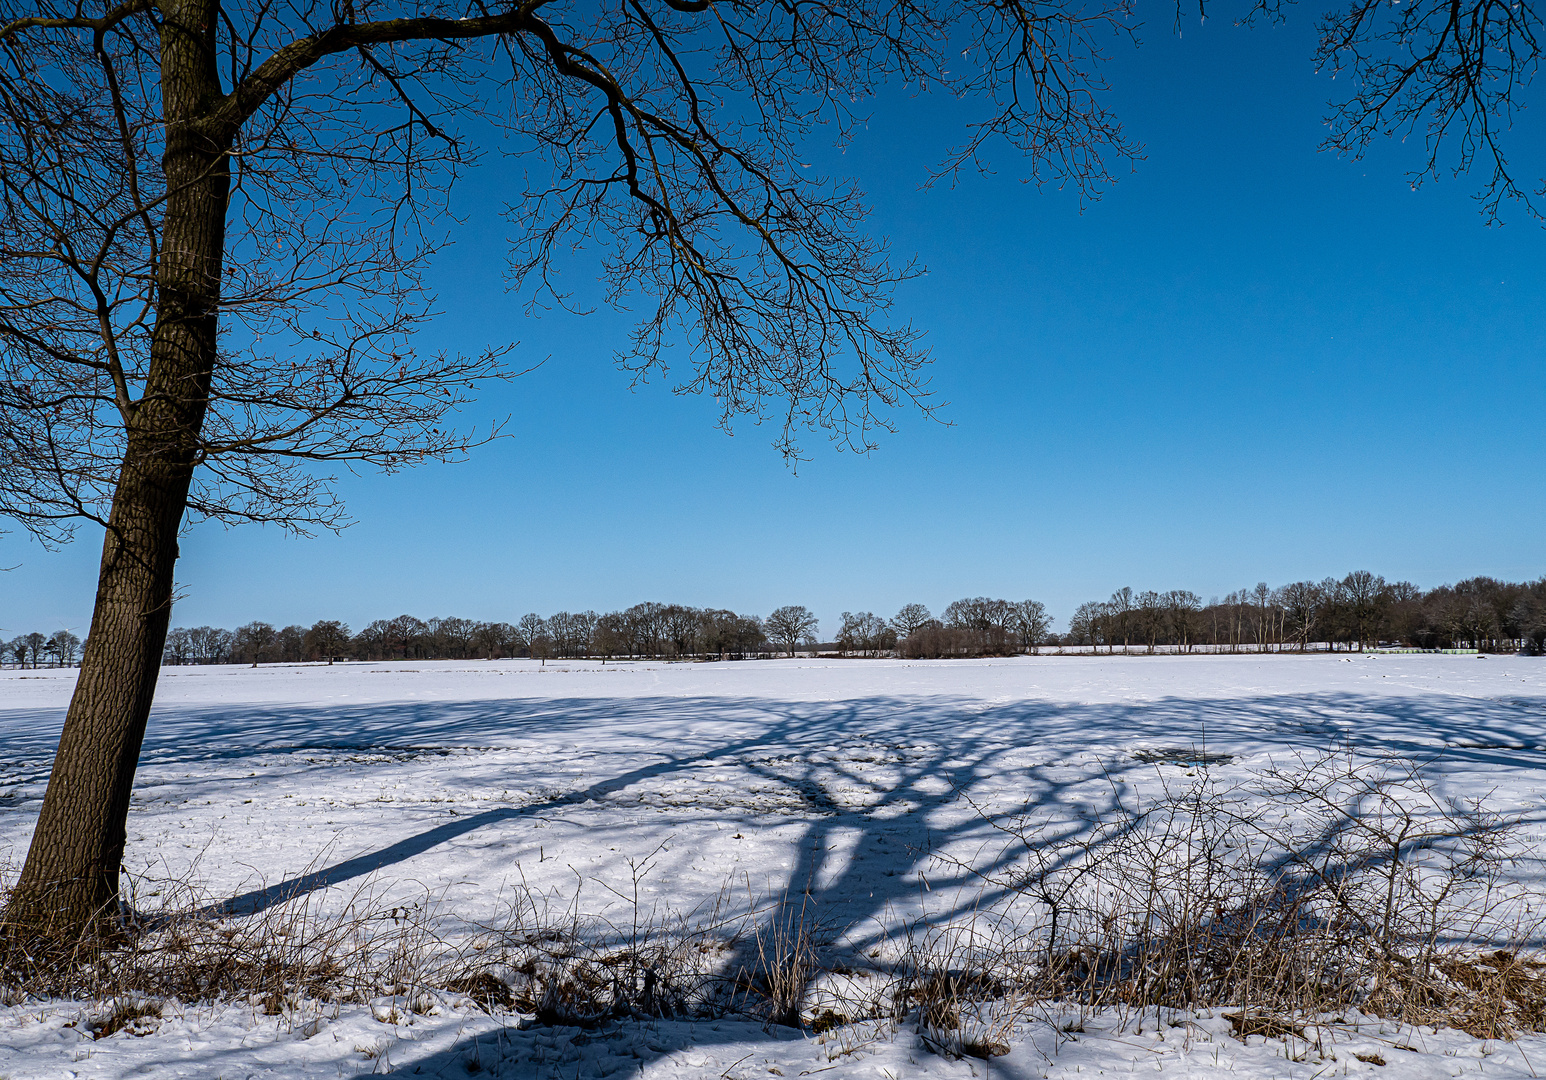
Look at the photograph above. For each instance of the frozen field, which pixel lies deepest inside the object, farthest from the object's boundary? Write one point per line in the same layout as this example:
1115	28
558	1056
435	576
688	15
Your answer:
472	783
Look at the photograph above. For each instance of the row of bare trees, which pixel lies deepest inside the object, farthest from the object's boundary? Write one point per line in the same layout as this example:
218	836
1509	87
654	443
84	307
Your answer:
645	630
1354	612
976	626
1357	611
970	627
38	650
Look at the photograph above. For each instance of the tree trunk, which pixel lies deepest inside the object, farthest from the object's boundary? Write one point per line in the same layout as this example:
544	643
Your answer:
71	873
70	879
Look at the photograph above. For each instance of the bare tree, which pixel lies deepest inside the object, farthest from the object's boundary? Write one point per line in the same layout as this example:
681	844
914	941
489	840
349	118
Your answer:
934	640
791	626
210	644
729	636
611	637
327	639
1091	621
179	647
254	643
63	646
1529	613
571	632
1302	602
849	632
984	621
1364	595
370	642
36	643
289	644
679	625
1120	611
907	621
864	632
452	636
494	639
1265	601
1181	609
217	214
542	646
646	622
529	629
1031	623
584	627
876	636
403	637
562	631
1149	614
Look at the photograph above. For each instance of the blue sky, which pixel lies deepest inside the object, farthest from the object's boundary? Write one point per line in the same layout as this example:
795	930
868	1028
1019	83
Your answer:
1249	361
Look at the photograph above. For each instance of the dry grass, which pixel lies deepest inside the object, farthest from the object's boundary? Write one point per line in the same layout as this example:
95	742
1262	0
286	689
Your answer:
188	952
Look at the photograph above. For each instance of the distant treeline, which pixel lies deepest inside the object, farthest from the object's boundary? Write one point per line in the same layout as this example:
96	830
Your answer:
1357	611
645	631
61	649
1354	612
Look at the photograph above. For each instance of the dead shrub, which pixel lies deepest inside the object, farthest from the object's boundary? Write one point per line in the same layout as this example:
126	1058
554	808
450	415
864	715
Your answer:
1324	884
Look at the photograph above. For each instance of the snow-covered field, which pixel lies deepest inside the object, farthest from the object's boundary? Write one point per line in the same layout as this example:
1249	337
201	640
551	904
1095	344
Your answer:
466	785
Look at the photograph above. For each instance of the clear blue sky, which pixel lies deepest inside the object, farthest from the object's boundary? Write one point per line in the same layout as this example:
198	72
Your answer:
1249	361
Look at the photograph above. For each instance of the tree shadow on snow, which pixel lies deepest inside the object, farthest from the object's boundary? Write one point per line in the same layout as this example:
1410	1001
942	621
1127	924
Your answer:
942	748
953	746
945	746
865	845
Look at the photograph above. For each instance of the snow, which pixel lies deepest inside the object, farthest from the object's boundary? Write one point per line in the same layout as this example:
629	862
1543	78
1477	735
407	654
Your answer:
467	785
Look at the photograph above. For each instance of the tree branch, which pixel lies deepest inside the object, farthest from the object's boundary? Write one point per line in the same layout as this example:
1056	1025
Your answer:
295	57
98	26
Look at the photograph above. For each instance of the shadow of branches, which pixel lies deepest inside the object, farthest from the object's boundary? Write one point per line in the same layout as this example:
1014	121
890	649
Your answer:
914	815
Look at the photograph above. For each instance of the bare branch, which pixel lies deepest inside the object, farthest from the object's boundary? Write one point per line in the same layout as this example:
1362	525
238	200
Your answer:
97	26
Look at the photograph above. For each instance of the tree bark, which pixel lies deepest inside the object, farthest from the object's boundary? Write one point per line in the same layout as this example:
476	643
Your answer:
71	876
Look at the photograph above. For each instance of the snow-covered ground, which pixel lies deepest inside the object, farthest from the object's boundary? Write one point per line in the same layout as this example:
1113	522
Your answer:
465	785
